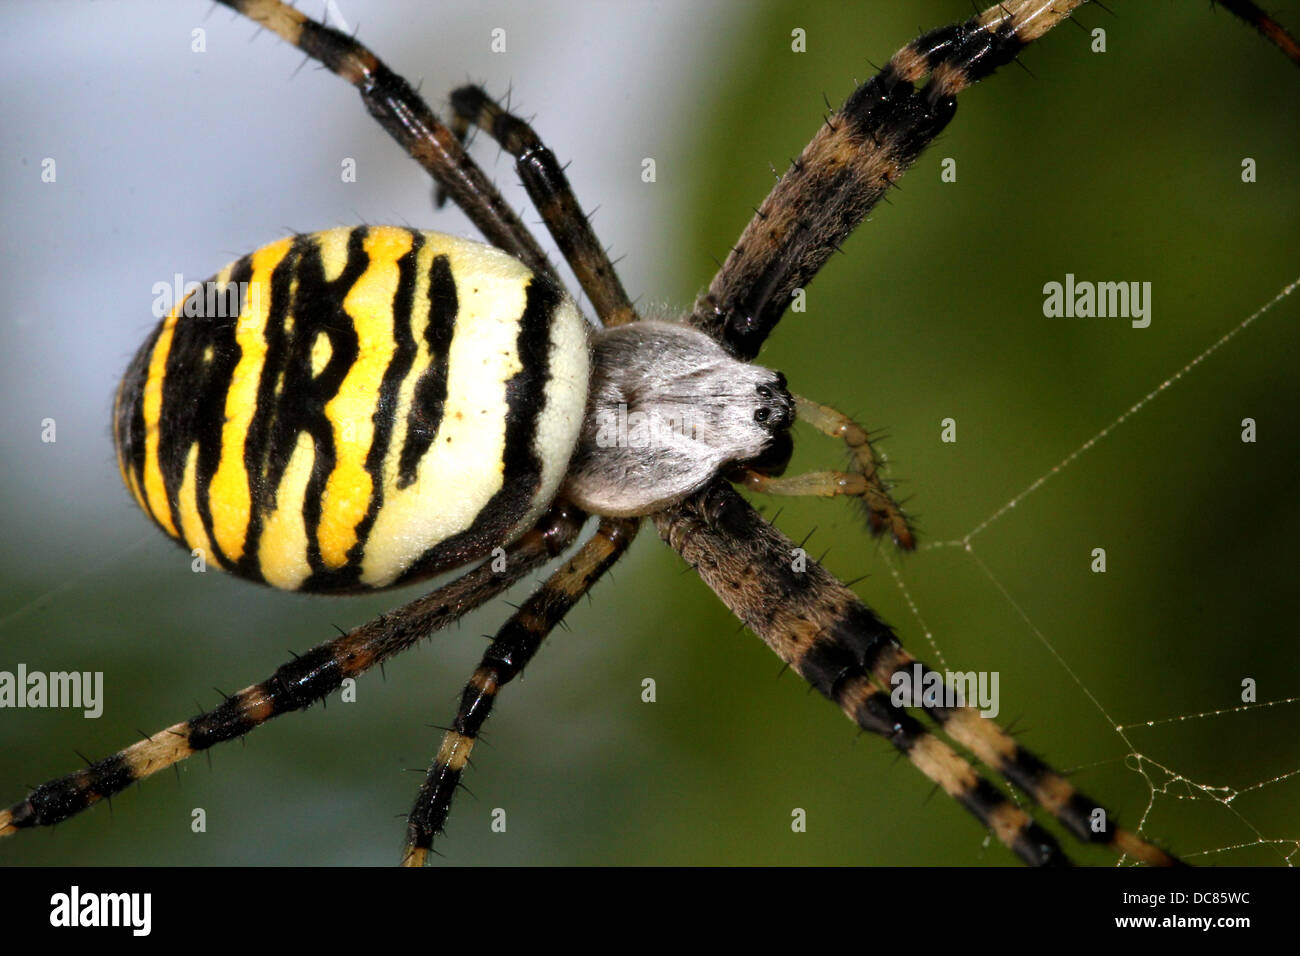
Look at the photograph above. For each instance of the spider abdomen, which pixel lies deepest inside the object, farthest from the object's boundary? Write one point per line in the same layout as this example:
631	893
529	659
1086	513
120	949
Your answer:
355	408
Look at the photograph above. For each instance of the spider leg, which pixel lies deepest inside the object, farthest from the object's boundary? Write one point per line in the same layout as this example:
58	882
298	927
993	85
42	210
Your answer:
852	161
511	650
1048	788
864	482
819	627
872	710
298	684
408	119
551	193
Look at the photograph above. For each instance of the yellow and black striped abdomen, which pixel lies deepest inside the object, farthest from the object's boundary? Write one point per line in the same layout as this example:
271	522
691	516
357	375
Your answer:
355	408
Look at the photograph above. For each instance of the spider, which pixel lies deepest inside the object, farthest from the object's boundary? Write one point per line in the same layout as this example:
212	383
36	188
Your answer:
774	363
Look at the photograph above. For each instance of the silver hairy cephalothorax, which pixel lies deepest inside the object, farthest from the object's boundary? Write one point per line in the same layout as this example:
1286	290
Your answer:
667	409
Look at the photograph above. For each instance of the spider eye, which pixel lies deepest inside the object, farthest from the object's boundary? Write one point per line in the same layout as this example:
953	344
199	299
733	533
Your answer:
765	392
761	415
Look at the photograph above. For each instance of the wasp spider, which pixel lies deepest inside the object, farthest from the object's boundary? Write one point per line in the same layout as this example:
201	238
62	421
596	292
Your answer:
188	460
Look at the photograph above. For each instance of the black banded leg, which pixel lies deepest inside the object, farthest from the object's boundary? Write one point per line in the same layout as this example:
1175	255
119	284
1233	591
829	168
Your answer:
853	160
297	684
1085	819
864	482
819	627
511	650
551	193
407	118
872	710
836	643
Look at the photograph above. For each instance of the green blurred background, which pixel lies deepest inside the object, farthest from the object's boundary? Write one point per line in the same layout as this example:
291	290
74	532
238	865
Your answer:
1116	166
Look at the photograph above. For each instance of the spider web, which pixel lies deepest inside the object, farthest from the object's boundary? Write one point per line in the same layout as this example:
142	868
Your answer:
1163	777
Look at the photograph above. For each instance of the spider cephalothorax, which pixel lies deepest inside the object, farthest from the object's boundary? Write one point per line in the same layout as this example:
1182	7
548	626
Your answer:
668	410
